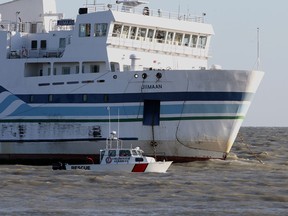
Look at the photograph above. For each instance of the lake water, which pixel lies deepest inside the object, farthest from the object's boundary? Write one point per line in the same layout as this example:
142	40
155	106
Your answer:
252	181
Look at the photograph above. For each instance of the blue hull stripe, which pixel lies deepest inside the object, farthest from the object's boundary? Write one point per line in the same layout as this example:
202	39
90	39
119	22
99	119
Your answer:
138	97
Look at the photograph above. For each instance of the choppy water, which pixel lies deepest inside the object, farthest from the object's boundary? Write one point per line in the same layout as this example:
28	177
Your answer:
241	185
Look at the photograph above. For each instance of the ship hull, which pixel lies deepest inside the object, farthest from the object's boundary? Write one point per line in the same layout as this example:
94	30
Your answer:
180	115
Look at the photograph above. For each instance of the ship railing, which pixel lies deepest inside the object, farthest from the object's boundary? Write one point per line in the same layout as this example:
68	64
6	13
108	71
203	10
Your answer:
146	11
35	53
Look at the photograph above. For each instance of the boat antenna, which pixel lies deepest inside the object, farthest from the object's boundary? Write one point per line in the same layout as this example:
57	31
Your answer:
258	48
118	125
108	108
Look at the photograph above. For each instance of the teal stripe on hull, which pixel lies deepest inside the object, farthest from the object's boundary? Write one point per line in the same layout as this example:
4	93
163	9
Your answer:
22	111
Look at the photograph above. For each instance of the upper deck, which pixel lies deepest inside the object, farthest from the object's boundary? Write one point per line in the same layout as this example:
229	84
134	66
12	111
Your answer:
147	11
105	37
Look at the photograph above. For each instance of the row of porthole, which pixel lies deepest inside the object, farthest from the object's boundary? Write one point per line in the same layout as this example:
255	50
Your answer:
145	75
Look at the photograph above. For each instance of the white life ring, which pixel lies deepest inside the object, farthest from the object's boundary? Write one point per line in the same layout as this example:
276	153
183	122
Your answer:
108	160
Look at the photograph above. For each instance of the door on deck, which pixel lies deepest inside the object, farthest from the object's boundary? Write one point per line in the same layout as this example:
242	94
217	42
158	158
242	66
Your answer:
151	115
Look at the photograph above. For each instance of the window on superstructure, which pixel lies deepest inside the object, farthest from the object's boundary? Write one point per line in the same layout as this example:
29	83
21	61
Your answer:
150	35
22	27
77	69
194	41
186	39
160	36
62	43
65	70
202	42
141	34
84	30
170	36
94	69
125	32
126	67
33	28
112	153
34	45
178	39
43	44
114	66
117	30
100	29
133	32
124	153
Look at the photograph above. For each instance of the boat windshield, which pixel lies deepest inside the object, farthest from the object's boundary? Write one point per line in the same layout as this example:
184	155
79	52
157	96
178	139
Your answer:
136	152
124	153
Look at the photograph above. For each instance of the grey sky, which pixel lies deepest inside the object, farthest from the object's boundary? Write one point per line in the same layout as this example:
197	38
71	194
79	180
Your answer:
234	45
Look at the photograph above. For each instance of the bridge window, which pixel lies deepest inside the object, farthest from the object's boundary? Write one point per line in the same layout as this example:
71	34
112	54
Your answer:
160	36
178	39
194	41
141	34
117	30
186	39
133	32
170	36
84	30
100	29
125	32
202	42
150	35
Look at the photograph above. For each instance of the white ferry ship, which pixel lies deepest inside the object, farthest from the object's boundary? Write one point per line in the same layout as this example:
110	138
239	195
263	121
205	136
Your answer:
65	83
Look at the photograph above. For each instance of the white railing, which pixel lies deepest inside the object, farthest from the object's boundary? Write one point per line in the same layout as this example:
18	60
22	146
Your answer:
145	11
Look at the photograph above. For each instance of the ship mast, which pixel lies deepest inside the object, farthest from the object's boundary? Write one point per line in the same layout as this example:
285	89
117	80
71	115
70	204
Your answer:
258	48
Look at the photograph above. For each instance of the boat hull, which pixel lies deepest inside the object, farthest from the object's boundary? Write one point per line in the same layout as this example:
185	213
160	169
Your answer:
155	167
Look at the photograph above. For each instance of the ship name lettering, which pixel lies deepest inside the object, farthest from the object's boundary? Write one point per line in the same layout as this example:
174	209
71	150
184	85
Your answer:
80	167
121	160
158	86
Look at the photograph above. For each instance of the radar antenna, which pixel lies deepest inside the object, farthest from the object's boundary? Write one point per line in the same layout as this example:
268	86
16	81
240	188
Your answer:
132	3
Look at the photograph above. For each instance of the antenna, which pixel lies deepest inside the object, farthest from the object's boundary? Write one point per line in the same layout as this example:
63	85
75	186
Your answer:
258	48
118	125
109	131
